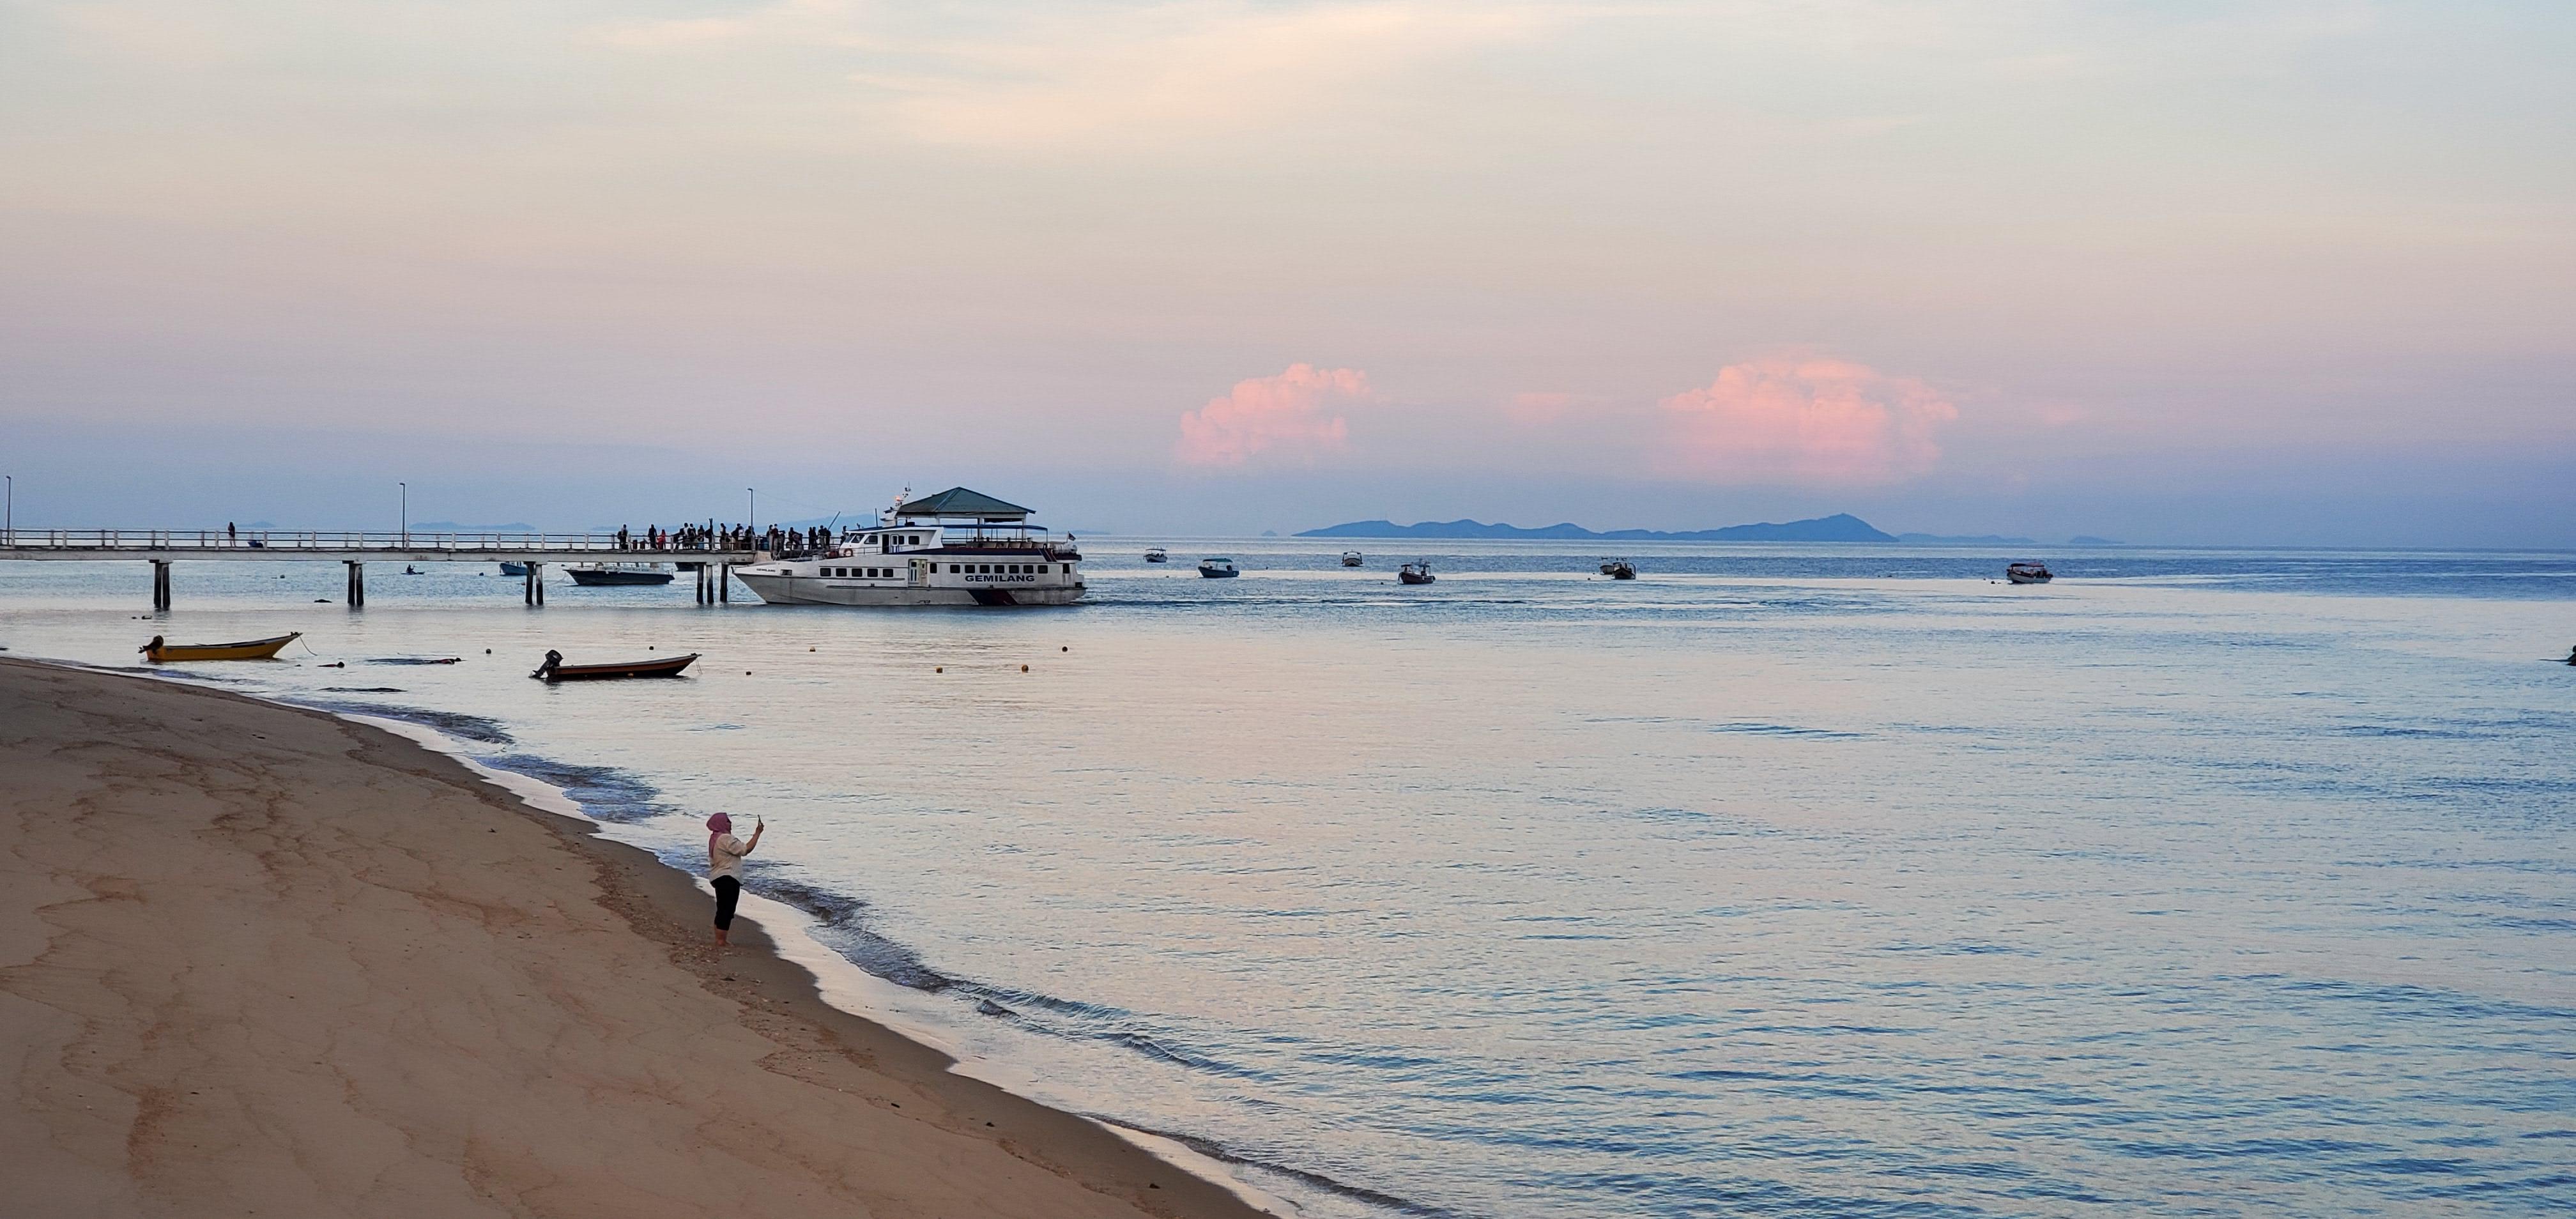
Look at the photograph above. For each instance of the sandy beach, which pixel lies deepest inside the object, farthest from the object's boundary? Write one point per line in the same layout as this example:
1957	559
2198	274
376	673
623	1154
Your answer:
260	961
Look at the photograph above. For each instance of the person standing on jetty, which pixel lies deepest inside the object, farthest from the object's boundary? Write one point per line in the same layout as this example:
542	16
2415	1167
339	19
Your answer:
724	867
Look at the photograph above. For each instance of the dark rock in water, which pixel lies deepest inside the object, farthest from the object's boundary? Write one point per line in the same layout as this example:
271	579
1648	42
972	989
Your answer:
989	1008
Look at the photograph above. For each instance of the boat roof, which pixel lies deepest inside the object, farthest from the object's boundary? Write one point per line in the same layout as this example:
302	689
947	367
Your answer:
962	502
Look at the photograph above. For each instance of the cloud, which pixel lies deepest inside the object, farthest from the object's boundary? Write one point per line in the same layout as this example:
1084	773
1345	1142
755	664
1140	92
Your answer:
1284	414
1804	419
1035	78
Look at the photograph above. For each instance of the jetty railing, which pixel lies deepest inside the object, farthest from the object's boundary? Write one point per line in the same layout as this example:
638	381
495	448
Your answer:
289	541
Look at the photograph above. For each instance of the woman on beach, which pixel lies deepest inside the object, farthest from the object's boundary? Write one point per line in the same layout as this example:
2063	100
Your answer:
724	867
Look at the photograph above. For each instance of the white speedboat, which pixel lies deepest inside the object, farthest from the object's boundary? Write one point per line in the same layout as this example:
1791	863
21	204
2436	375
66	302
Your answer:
1351	558
1218	569
2029	573
958	547
1156	554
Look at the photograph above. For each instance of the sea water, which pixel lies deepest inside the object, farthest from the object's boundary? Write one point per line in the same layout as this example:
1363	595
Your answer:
1828	880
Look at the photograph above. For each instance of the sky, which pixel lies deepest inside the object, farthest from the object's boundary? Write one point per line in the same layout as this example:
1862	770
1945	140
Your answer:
2267	272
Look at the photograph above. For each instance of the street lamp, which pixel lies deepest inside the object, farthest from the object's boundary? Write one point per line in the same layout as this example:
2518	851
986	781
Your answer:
754	522
406	514
9	529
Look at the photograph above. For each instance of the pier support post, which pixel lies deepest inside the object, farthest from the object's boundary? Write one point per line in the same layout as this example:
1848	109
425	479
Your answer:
724	584
536	590
160	584
357	583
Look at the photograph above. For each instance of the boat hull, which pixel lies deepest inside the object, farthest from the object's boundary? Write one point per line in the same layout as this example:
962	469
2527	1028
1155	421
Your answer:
812	590
254	649
665	667
595	579
1218	575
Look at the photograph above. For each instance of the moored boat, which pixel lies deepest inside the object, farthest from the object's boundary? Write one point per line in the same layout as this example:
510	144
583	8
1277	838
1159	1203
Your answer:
1156	554
513	569
1218	569
555	670
593	575
1415	573
2028	573
956	548
1351	558
1619	569
159	651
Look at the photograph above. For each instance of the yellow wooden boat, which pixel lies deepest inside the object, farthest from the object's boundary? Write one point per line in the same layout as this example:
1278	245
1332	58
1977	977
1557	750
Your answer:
159	652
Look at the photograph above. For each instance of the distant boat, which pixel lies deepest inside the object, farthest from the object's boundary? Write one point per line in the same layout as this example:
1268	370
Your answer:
592	575
159	652
410	570
1619	569
1157	555
1415	573
2028	573
1218	569
555	670
1351	558
514	569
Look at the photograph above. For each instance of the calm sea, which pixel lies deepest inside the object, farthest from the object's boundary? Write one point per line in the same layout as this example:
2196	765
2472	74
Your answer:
1781	881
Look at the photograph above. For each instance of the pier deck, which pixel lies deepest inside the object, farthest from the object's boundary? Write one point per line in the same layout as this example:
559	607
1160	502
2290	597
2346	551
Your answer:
163	547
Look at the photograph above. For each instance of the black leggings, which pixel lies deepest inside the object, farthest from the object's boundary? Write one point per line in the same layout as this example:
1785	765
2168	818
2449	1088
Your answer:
728	891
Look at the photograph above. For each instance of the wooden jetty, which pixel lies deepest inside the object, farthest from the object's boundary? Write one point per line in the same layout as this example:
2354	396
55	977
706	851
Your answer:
164	547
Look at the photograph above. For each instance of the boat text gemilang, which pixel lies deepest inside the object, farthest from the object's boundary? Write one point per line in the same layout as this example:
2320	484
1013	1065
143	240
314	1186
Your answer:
958	547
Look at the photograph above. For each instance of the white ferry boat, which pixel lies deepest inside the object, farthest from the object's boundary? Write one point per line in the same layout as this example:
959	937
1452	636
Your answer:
958	547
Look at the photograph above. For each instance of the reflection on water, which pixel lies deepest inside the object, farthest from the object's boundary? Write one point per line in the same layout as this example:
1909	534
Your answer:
1834	880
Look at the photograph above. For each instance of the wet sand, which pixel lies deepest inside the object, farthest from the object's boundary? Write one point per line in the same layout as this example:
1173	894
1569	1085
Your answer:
257	960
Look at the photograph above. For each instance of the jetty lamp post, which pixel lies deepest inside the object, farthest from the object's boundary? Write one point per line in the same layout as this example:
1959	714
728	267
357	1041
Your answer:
406	514
754	522
9	529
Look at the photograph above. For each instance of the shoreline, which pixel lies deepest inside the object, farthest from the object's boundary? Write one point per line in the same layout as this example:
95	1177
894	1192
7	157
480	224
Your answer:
75	985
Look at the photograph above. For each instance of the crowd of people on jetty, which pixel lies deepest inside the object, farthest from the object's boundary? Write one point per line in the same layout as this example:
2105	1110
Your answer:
725	537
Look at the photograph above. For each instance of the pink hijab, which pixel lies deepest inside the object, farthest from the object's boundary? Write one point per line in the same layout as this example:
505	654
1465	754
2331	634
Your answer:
717	827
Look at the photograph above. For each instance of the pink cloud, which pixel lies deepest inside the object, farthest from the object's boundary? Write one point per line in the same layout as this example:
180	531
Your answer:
1804	418
1285	414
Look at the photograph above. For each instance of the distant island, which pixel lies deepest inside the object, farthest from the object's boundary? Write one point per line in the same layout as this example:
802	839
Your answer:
1840	527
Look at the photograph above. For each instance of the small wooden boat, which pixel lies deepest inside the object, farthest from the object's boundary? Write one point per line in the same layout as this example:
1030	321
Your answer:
555	670
2028	573
1218	569
1619	569
1415	573
1351	558
592	575
1157	554
159	652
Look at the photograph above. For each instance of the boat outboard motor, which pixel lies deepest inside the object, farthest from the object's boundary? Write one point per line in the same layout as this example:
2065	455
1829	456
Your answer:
553	660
